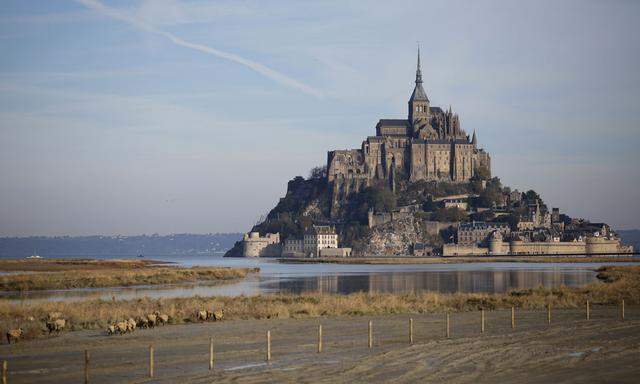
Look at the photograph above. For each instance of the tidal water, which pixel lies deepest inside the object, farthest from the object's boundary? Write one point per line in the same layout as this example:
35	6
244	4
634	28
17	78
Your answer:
275	277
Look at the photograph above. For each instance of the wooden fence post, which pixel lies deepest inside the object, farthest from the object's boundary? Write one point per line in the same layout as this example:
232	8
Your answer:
86	366
549	313
588	311
320	338
268	346
5	368
448	326
482	320
622	310
211	361
513	317
410	331
151	361
370	334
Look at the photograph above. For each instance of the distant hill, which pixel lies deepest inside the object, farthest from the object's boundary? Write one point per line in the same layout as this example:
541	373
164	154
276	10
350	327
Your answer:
631	237
118	245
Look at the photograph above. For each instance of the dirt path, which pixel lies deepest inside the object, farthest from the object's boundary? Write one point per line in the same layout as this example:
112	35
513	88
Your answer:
571	349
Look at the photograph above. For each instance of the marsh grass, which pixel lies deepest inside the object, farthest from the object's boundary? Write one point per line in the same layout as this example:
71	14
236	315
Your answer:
619	283
116	277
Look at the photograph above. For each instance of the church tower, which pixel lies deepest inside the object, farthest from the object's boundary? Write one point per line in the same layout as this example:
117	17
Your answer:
419	102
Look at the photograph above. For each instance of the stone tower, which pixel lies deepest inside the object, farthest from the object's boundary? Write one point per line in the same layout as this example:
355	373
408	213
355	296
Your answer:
419	102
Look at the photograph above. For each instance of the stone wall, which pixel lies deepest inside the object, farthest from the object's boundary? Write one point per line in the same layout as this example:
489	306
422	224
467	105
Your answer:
254	245
376	219
463	250
593	245
335	252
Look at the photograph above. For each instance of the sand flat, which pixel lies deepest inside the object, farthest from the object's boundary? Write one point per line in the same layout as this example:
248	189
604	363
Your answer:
571	349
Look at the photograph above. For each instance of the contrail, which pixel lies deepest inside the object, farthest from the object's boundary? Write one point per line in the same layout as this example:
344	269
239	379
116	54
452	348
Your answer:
260	68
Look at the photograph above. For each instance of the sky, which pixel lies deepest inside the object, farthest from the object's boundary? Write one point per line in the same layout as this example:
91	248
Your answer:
167	116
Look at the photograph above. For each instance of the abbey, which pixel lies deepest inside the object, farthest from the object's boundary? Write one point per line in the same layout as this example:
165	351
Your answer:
428	145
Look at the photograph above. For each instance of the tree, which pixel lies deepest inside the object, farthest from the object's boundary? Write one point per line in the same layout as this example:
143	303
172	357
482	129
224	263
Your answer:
319	172
429	205
531	195
491	194
482	173
379	199
452	214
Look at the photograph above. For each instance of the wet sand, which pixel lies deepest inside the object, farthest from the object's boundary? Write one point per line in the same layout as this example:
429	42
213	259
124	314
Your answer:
571	349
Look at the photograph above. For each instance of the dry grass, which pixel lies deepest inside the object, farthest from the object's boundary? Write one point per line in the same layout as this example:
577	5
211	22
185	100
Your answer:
51	265
466	259
117	277
620	283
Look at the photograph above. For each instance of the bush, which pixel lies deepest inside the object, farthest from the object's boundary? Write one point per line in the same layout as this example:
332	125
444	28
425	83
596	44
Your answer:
379	199
449	214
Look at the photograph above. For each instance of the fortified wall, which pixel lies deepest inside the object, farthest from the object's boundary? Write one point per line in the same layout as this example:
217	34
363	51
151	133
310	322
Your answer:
254	245
591	246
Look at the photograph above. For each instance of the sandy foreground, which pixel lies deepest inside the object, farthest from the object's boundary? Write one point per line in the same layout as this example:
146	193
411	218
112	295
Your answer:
571	349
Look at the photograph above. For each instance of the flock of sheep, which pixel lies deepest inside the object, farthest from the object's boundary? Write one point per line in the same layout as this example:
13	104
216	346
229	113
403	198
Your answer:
157	318
130	325
54	323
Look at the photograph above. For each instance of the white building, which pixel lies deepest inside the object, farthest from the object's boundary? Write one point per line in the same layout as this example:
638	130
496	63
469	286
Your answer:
319	237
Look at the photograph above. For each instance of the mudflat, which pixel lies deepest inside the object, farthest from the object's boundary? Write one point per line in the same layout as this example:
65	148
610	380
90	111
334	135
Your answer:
569	349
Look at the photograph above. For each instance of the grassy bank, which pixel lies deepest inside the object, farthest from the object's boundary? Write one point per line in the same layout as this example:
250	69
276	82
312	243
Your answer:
619	283
52	265
464	259
65	274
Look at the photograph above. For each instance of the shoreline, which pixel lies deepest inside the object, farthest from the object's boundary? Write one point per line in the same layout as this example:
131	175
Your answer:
462	260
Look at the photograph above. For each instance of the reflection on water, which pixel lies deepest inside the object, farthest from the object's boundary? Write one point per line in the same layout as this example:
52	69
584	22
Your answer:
488	281
343	279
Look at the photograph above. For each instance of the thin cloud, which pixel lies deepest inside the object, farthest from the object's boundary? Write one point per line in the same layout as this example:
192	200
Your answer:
260	68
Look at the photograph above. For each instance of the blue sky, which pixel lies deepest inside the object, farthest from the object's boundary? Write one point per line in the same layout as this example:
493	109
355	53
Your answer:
124	117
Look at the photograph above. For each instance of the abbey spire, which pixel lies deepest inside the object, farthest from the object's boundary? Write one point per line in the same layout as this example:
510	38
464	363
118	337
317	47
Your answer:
418	102
418	92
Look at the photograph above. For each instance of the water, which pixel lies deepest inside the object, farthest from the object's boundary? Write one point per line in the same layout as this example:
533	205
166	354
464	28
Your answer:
276	277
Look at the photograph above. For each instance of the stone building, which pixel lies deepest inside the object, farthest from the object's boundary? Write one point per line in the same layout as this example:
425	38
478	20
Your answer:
478	232
319	237
293	248
254	245
428	145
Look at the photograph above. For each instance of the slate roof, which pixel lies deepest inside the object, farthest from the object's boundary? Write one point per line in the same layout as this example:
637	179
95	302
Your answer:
393	122
418	93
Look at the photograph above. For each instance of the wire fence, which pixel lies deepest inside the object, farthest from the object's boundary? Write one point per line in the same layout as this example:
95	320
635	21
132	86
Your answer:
261	345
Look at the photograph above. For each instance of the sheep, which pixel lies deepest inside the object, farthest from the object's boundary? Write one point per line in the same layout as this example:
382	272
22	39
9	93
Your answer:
163	319
111	329
131	324
143	322
122	327
51	316
14	334
217	315
56	325
202	315
152	319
